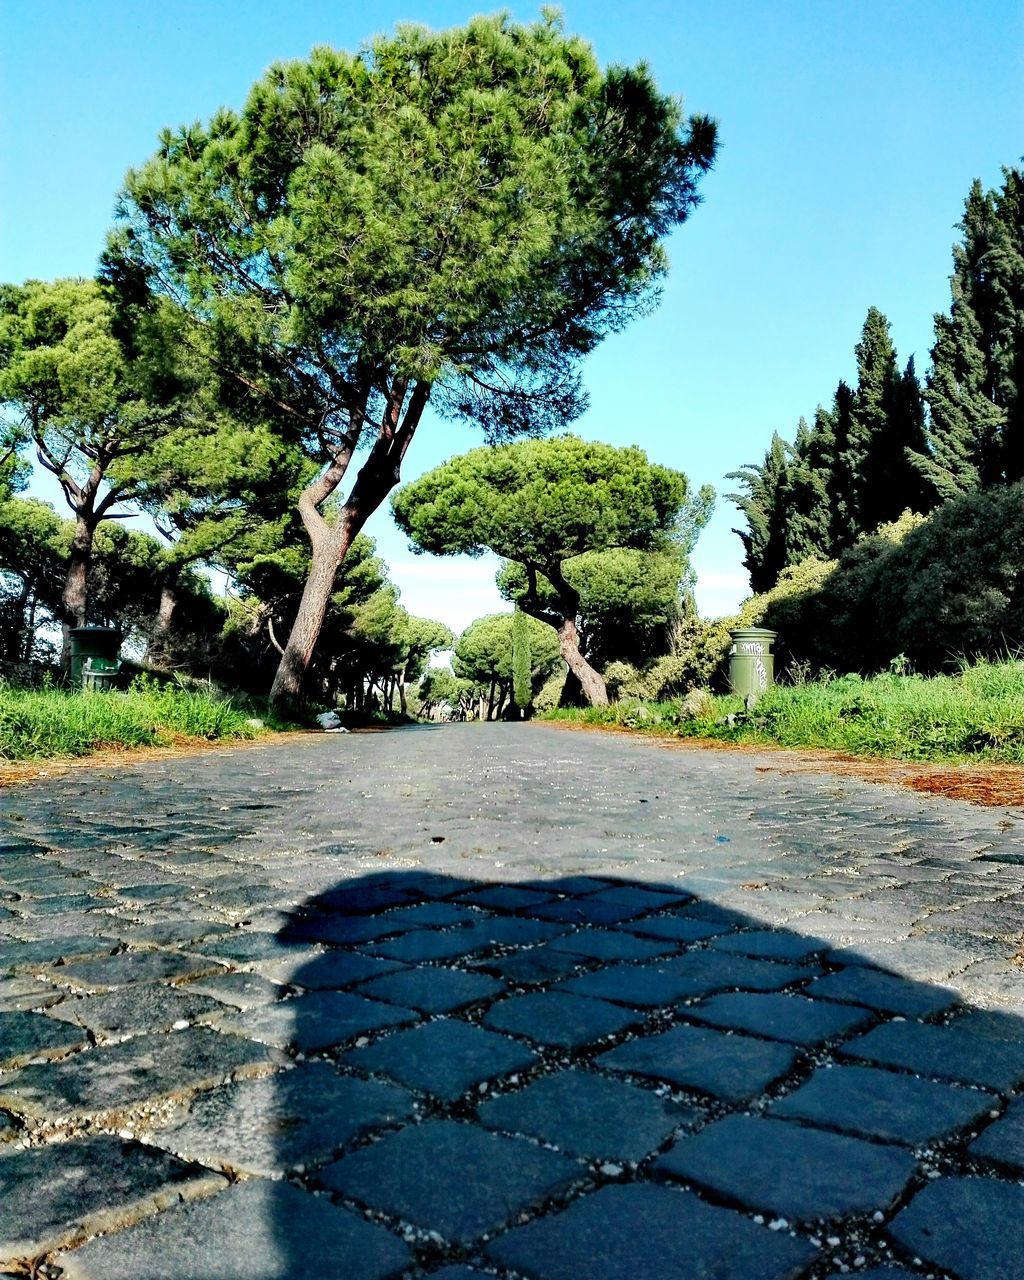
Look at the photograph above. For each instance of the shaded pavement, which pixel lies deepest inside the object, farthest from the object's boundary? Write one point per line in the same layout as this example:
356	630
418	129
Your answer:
498	1000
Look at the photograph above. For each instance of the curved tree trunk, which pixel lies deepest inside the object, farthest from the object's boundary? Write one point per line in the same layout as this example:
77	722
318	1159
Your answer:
591	682
315	597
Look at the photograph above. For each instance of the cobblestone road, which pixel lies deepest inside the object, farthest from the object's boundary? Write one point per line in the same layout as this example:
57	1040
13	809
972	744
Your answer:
507	1001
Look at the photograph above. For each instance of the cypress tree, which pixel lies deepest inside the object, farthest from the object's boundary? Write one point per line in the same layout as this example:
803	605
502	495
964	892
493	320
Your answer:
978	355
522	661
889	414
808	528
843	488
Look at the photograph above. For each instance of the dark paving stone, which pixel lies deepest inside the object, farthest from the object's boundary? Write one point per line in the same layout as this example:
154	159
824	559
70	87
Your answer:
556	1018
509	931
767	944
319	1020
65	904
458	1273
785	1169
640	985
294	1118
24	955
444	1058
451	1178
1004	1140
427	915
536	964
243	990
856	984
24	1036
362	898
23	993
432	990
422	944
258	1230
251	948
507	897
135	966
639	896
154	892
172	933
952	1052
794	1019
603	944
588	1115
728	1067
339	969
678	928
658	1233
586	911
972	1226
53	1194
114	1078
130	1010
883	1104
872	1273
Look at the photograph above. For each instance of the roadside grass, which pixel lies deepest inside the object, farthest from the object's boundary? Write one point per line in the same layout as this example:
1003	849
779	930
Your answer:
976	714
37	724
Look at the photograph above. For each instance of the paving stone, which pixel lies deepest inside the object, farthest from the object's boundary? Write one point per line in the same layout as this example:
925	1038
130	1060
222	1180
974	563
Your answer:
856	984
677	928
794	1019
451	1178
588	1115
786	1169
23	993
313	1022
173	932
952	1052
50	951
127	1011
731	1067
603	944
432	990
642	986
428	915
258	1230
24	1036
642	896
243	990
769	944
115	1078
252	948
536	964
884	1104
458	1273
1004	1140
972	1226
556	1018
586	911
294	1119
337	969
872	1273
57	1193
135	966
444	1058
507	897
422	944
682	1239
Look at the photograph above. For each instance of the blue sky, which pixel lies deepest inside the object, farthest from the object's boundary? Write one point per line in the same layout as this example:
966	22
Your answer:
850	131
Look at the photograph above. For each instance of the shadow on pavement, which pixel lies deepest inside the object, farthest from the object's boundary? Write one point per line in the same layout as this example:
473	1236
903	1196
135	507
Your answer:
589	1079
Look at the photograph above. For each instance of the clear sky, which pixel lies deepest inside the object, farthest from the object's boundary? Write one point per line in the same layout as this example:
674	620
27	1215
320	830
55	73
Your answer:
850	132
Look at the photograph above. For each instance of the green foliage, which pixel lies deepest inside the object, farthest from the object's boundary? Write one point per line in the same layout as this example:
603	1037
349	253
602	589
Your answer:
484	651
522	661
977	714
460	215
46	723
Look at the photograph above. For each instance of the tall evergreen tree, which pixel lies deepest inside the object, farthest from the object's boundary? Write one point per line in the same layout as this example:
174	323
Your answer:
808	526
978	355
889	421
765	507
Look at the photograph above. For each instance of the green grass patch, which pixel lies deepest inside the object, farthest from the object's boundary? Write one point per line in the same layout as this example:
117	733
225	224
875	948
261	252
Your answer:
38	724
976	714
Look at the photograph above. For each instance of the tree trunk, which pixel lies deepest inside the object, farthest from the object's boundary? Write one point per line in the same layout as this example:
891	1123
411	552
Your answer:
403	701
591	682
490	700
30	629
327	555
75	595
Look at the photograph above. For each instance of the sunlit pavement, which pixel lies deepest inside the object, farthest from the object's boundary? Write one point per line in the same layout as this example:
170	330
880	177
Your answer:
510	1001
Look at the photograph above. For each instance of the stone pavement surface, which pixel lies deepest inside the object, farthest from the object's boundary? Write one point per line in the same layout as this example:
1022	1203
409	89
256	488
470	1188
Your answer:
507	1001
